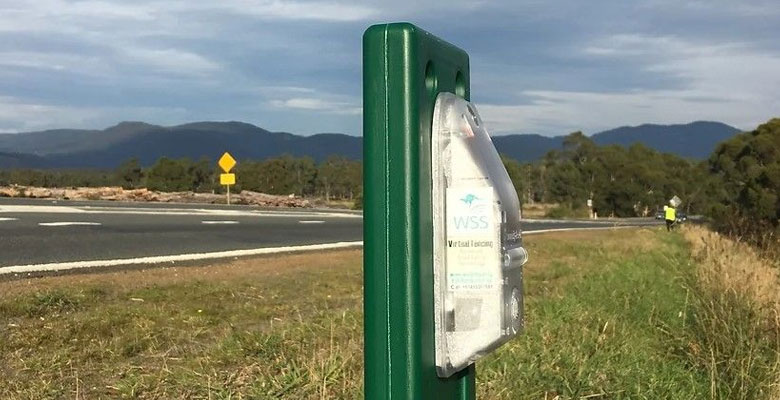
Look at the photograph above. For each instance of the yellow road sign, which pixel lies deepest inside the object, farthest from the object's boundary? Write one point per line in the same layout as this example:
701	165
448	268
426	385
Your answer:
226	162
227	179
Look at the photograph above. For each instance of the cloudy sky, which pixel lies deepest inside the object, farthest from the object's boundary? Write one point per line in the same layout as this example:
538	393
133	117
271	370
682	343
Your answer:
547	67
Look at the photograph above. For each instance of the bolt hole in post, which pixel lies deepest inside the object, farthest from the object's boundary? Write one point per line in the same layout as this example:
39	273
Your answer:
460	85
431	81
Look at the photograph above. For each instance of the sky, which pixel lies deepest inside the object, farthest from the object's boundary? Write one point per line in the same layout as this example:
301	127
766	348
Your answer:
542	66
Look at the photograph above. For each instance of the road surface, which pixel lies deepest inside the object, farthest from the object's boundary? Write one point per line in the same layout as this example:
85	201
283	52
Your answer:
46	232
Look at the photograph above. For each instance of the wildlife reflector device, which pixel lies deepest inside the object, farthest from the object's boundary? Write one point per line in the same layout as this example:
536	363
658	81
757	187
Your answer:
477	244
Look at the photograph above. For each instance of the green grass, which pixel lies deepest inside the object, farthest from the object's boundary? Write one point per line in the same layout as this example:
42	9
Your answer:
609	315
597	324
565	211
251	331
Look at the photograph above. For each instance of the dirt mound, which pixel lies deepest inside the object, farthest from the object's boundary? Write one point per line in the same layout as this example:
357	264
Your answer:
146	195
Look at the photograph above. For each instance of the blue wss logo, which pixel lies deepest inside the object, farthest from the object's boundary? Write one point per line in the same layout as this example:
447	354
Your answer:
474	221
469	199
471	222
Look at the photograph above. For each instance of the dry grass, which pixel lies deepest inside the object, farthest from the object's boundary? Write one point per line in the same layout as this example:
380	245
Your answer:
235	270
284	327
735	324
276	327
728	265
608	315
344	204
537	210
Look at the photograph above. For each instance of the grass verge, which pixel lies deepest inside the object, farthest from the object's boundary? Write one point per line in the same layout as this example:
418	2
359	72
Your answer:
285	327
609	314
733	330
598	308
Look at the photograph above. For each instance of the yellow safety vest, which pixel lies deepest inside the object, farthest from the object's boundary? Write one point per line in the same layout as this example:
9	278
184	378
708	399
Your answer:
671	214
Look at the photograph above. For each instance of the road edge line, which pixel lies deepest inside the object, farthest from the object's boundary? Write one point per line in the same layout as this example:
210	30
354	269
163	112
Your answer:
593	228
71	265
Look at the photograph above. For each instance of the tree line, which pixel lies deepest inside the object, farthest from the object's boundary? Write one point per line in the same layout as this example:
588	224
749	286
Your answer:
621	182
746	193
618	181
738	186
335	178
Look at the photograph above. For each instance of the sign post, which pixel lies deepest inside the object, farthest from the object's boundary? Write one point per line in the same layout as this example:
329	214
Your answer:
589	203
227	162
443	251
404	69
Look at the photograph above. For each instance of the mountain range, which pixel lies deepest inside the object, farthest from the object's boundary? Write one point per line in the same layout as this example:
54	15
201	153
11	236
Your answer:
77	148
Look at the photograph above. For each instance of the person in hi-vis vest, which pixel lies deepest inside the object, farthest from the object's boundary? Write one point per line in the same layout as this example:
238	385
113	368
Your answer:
670	215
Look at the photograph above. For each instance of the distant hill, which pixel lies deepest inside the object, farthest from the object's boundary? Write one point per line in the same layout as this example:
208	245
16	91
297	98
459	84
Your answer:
74	148
528	147
109	147
17	160
695	140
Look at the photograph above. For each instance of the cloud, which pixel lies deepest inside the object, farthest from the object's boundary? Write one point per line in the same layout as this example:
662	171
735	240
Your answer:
298	10
657	47
546	67
318	105
742	8
729	82
102	37
50	61
17	115
557	113
169	60
71	16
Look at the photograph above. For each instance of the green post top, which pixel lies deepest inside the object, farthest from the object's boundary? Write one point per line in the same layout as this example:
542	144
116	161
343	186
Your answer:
404	68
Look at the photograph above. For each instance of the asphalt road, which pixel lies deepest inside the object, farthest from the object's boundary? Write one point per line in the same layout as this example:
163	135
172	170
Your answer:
45	232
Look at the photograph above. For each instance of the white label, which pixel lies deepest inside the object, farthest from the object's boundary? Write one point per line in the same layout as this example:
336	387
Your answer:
473	249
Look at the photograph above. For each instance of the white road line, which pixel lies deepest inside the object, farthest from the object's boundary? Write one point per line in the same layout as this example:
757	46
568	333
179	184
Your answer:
17	269
311	222
49	267
603	221
283	213
578	229
8	219
41	209
75	223
219	222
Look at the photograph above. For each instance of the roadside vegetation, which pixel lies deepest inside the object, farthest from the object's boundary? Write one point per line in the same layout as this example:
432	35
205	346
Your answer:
283	327
734	324
737	186
336	180
746	198
645	315
651	315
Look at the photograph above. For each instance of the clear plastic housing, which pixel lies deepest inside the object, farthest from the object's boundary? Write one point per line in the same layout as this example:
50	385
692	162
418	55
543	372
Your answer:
477	249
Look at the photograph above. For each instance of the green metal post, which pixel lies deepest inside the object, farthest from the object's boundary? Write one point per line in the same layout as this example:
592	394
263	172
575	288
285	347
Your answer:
404	68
